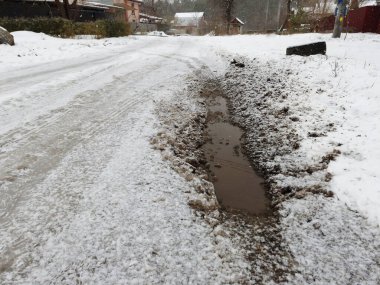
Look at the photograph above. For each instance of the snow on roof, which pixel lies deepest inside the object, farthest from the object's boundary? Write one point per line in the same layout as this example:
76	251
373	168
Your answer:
369	3
190	15
188	19
97	4
142	15
238	20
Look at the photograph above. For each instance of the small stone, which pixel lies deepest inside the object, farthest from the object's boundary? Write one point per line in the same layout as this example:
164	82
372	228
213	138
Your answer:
316	225
218	231
286	190
328	177
189	177
300	194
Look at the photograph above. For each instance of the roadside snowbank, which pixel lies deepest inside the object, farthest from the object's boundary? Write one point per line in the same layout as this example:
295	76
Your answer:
36	48
313	127
342	88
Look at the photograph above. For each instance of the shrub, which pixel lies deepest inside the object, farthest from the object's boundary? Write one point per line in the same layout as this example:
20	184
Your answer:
113	28
300	22
66	28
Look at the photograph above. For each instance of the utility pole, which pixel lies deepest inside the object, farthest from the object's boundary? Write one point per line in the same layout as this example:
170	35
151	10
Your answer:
340	13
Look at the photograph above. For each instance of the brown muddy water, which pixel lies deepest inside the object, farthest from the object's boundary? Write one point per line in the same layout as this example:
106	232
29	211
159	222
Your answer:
236	184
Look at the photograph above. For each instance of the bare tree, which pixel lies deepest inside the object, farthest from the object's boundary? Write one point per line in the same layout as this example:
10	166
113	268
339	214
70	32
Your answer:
228	13
288	12
220	15
65	7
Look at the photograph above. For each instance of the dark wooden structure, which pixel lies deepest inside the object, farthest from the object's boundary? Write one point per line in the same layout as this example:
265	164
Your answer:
32	9
236	26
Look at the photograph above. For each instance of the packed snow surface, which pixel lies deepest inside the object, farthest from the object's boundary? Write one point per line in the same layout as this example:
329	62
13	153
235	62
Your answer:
86	199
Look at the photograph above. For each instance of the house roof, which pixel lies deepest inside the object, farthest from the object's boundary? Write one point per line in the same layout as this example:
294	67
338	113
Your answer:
84	3
97	4
143	15
188	19
236	19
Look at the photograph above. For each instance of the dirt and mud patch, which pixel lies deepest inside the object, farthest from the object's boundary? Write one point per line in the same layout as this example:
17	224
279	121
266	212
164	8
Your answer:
237	185
289	144
188	141
260	105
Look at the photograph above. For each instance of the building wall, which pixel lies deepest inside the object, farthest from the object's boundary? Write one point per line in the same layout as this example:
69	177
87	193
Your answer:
143	27
133	14
236	29
132	10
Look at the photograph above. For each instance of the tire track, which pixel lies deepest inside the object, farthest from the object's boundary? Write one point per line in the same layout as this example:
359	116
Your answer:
47	184
26	76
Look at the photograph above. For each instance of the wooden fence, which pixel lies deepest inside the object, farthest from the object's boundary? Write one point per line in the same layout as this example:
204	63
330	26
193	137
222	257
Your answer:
362	20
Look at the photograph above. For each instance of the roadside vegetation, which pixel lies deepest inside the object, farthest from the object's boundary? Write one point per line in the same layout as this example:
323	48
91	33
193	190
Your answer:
67	28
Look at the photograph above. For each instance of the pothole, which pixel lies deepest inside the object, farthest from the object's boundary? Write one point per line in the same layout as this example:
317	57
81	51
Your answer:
202	146
237	186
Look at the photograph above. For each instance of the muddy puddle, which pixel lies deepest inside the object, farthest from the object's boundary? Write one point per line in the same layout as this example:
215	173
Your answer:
236	184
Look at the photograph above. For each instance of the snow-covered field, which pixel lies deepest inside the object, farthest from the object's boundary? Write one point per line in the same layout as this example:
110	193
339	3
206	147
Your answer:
86	198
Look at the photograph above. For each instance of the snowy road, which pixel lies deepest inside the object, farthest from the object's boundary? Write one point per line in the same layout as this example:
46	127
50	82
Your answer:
82	189
87	198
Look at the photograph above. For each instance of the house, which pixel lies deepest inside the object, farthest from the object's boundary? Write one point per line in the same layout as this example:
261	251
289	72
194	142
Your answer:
236	27
192	23
132	9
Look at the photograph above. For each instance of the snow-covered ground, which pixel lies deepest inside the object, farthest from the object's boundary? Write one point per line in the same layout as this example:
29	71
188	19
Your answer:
331	110
342	87
86	198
